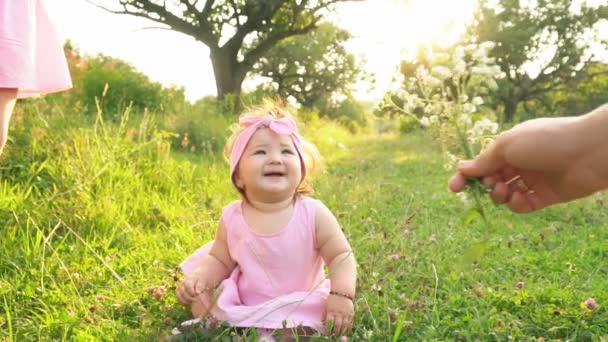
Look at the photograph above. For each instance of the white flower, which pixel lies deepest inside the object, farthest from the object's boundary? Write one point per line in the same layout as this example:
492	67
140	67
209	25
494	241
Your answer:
465	118
469	108
425	121
451	161
478	101
441	72
411	102
487	45
376	287
433	108
432	81
482	132
460	67
464	198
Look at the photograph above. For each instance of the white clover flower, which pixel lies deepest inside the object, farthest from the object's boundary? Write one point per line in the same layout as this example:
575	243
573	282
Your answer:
441	72
422	72
411	102
478	101
469	108
464	198
480	56
460	67
482	131
432	81
434	108
487	125
424	121
487	45
465	118
451	161
496	71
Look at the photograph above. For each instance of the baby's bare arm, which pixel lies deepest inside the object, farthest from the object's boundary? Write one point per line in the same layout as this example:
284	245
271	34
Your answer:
336	252
338	255
215	267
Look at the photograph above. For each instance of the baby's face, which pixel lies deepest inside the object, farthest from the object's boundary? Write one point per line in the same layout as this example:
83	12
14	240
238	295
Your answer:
270	167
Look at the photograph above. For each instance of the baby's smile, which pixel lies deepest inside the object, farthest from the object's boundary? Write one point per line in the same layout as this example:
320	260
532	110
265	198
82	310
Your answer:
274	174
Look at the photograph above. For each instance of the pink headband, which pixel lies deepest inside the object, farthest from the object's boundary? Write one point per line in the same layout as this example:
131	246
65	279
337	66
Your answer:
285	126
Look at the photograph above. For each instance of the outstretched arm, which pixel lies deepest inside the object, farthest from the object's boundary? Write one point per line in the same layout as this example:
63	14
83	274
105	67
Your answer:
338	255
558	159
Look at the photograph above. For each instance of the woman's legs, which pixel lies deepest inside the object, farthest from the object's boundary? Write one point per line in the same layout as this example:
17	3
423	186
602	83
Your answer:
8	97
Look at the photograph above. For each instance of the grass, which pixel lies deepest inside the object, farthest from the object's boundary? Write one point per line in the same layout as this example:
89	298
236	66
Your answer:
96	218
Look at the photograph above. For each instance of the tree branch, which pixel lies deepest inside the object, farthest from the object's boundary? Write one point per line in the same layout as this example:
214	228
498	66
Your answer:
150	11
256	53
254	20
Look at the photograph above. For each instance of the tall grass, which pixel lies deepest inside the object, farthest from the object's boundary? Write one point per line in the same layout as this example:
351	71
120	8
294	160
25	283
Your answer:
96	214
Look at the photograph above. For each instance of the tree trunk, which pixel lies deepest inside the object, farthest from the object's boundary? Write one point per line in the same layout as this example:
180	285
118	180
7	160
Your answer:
510	109
228	76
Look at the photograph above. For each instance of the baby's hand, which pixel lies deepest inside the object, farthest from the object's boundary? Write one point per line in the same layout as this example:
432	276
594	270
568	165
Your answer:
340	311
192	290
186	291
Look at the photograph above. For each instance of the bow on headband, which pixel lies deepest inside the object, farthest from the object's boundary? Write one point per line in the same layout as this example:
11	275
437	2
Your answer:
285	126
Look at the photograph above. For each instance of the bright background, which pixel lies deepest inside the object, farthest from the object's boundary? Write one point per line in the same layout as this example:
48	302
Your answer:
384	30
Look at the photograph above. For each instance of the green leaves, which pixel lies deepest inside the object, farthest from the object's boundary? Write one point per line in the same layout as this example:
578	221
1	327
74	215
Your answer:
540	47
311	68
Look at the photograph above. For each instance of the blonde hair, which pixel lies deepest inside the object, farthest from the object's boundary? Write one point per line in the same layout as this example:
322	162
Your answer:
313	162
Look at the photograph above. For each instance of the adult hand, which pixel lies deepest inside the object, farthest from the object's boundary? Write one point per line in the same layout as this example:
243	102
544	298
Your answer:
542	162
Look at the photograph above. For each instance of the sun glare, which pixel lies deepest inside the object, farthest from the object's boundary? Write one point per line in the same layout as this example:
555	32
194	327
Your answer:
427	22
386	31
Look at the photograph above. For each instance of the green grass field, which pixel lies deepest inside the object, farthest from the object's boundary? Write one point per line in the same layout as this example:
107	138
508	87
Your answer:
95	219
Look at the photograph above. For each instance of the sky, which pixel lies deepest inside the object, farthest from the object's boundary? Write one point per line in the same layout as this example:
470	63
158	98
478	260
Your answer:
383	30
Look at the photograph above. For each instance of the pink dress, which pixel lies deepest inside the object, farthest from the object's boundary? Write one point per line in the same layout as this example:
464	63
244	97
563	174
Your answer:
279	280
31	54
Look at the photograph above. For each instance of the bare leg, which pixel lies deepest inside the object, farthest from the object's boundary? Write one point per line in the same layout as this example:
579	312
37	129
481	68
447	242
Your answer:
8	97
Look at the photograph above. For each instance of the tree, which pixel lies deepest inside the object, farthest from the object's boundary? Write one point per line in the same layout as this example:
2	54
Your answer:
583	95
237	32
553	35
125	86
311	68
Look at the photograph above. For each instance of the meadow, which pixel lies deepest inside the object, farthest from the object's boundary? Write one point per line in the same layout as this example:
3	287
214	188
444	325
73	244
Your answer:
96	213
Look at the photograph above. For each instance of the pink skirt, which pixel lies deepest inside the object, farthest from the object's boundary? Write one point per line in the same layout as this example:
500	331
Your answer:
292	310
31	54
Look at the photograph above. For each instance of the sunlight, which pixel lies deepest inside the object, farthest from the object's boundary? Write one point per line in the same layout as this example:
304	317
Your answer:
439	22
386	31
